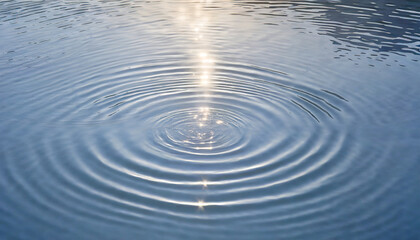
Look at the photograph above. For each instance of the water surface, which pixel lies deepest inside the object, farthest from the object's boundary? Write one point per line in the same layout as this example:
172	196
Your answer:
209	119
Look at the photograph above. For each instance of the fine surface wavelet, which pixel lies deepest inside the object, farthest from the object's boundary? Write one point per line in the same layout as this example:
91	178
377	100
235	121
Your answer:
384	27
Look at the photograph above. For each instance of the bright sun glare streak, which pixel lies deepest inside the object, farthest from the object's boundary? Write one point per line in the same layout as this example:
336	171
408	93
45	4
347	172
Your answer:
202	54
196	21
204	79
205	68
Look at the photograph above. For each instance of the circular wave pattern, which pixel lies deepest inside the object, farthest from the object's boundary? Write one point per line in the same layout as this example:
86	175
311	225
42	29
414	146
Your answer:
250	145
160	142
198	130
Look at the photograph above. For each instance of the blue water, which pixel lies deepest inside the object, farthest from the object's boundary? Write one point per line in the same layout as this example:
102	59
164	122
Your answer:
210	119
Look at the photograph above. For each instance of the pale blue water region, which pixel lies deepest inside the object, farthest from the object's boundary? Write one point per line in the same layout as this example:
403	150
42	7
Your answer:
210	119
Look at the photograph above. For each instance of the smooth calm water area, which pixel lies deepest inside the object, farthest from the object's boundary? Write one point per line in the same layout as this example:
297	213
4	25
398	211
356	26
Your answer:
210	119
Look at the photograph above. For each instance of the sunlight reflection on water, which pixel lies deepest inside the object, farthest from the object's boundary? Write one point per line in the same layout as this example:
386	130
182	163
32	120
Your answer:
209	119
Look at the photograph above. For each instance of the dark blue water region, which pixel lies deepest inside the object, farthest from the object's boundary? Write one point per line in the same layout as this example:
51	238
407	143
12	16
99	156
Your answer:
210	120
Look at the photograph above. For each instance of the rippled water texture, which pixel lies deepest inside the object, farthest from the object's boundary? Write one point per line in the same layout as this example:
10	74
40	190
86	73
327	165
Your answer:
210	119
